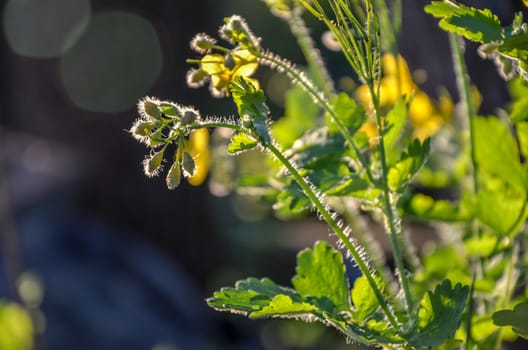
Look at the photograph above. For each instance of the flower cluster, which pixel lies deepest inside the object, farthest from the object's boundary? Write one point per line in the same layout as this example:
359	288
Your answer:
220	66
163	123
426	116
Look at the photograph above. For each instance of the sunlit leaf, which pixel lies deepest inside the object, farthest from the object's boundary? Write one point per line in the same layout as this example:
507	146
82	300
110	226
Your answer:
519	110
473	24
284	305
248	295
321	274
241	142
496	151
364	299
348	112
300	115
439	315
410	162
395	120
426	207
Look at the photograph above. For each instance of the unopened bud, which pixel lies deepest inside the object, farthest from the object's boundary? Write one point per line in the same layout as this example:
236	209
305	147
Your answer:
173	178
188	165
151	109
152	164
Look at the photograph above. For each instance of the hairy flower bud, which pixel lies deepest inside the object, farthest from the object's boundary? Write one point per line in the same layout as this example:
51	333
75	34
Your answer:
202	43
173	178
152	164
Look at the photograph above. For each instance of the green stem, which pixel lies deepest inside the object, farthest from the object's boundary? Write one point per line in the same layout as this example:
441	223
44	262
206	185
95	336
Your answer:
392	218
308	86
337	228
313	58
463	84
504	302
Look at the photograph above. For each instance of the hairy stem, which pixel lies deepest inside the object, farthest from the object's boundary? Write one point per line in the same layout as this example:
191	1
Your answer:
312	54
336	227
393	220
463	85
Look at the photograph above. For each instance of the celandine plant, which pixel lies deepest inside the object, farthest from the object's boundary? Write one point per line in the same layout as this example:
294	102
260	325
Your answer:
337	152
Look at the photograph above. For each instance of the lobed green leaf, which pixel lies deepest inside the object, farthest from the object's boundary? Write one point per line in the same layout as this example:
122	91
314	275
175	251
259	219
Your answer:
241	142
473	24
321	277
516	318
439	315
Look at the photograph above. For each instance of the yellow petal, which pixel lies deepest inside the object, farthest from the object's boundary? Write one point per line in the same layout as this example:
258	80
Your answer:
421	108
198	148
213	64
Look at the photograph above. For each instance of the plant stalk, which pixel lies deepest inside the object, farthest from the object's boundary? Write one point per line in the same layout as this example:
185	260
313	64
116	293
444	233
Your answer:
336	227
391	216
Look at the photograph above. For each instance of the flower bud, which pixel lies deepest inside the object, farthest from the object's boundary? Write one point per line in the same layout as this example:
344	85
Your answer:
151	109
189	116
173	178
188	165
152	164
229	62
202	43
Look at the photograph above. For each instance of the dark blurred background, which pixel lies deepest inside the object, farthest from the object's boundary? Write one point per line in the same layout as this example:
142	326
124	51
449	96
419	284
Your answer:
105	257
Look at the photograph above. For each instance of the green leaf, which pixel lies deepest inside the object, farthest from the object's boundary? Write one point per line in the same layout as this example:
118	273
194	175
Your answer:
349	113
502	207
291	201
248	296
516	318
317	148
284	305
519	110
364	299
473	24
411	161
300	115
241	142
426	207
522	136
439	315
496	151
395	121
321	276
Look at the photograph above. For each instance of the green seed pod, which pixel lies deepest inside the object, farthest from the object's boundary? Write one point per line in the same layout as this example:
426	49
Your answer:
229	61
142	128
189	117
173	178
152	164
156	138
170	109
152	109
188	165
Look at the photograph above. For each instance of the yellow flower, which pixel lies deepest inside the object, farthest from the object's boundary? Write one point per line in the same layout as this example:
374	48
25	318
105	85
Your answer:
425	116
198	148
223	69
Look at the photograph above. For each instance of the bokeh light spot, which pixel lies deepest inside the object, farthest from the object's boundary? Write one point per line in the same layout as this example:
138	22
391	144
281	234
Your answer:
113	64
44	28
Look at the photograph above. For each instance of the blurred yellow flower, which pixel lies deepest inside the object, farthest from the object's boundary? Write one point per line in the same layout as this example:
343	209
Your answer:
222	69
425	116
198	148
